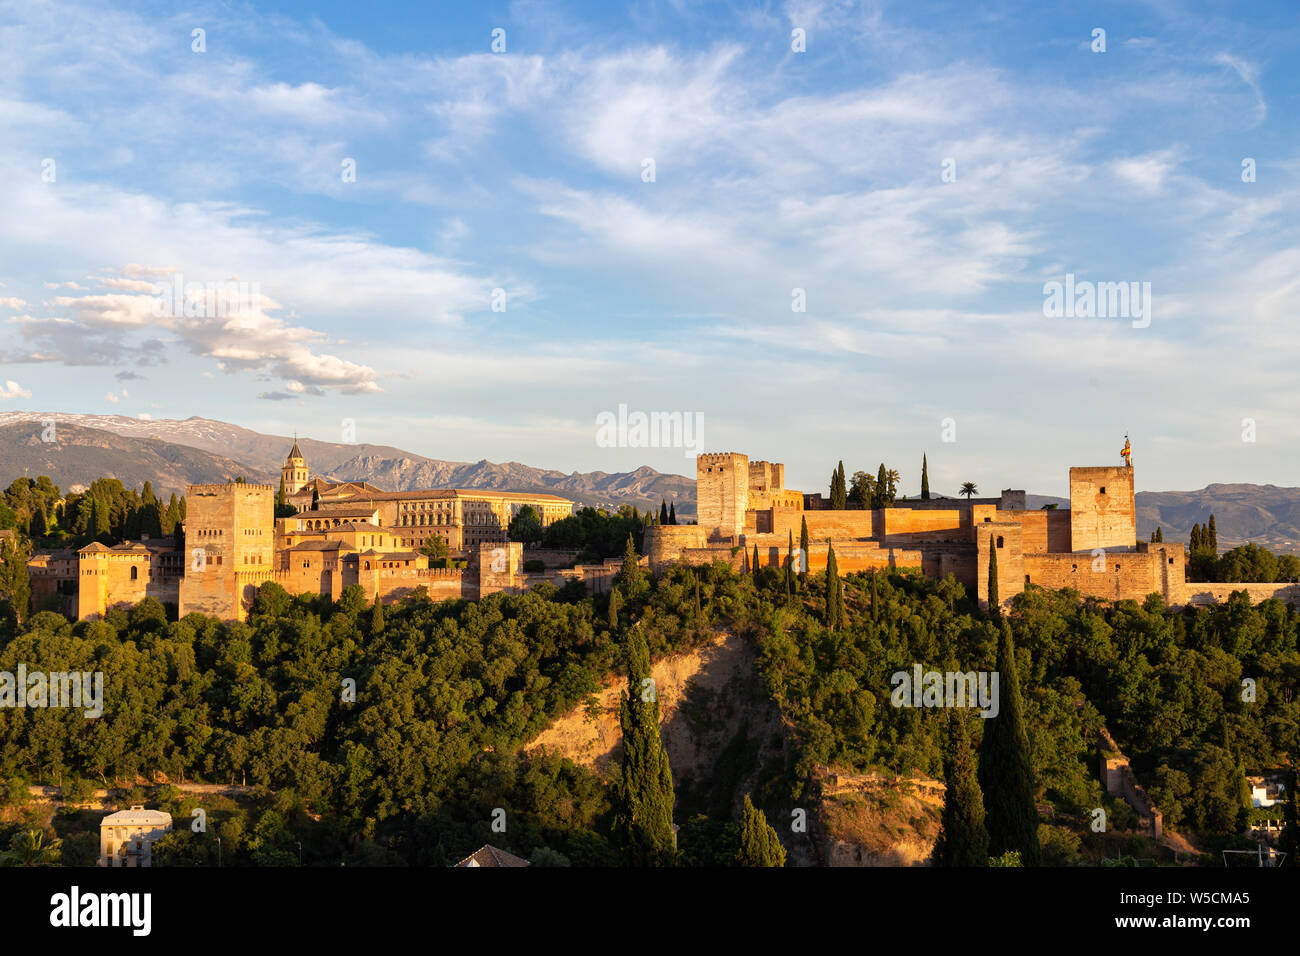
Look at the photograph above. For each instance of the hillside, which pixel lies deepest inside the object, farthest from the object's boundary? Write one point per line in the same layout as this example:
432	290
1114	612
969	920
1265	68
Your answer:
381	465
80	455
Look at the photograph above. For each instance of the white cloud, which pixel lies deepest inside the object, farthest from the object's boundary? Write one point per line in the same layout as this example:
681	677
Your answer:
12	389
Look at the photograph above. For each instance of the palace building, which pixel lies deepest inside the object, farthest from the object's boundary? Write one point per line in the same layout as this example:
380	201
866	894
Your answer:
352	533
355	534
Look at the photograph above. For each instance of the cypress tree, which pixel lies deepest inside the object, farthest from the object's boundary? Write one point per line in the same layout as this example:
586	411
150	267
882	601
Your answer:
1194	541
699	608
615	605
672	513
377	618
882	488
15	582
1005	773
315	496
755	568
1289	842
839	490
803	546
1160	534
995	605
630	574
835	618
759	844
789	565
663	511
963	840
39	526
281	497
100	520
1213	543
925	479
645	800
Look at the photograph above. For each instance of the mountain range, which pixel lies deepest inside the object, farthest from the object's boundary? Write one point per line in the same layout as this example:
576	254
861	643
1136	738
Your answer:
172	453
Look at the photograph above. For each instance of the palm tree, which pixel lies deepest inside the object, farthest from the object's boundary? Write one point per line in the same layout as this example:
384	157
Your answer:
892	478
968	489
28	848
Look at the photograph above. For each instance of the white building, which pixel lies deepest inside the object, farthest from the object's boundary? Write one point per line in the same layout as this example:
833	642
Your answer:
126	838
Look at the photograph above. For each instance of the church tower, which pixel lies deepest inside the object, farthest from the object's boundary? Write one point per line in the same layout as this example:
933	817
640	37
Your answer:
294	470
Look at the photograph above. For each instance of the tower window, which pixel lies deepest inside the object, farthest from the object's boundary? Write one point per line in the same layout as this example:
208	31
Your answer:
999	541
1103	489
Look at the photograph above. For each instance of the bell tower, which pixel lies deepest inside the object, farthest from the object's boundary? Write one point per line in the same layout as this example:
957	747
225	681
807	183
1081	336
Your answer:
294	470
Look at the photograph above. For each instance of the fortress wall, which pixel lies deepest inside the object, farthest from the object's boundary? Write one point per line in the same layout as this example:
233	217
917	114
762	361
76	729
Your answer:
1043	531
1197	593
664	544
916	521
824	524
1128	575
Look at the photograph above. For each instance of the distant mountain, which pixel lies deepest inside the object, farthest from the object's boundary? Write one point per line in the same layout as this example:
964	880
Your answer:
173	453
1265	514
79	455
383	466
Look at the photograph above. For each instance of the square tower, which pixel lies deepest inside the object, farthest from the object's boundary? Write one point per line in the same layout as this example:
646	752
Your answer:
229	532
722	493
1103	511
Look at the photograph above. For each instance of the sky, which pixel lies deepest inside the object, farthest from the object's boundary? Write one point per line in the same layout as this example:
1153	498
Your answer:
470	253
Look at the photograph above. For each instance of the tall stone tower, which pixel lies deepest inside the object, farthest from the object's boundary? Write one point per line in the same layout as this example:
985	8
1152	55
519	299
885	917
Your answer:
229	546
294	470
1103	511
722	493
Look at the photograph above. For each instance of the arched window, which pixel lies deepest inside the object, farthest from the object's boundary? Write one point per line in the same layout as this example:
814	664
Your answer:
135	572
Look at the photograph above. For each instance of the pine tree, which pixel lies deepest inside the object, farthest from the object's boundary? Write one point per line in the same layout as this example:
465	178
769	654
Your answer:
663	511
835	617
759	844
377	618
644	820
803	547
1213	544
963	840
925	479
1005	773
672	513
995	605
615	605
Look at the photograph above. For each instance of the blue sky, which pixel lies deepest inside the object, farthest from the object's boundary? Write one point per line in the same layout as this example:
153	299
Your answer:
775	170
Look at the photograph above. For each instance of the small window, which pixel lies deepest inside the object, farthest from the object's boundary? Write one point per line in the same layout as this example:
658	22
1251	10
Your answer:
1074	567
1103	489
135	572
988	519
1026	579
999	541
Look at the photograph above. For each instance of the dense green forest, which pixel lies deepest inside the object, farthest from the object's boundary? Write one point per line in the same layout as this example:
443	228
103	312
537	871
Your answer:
410	769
